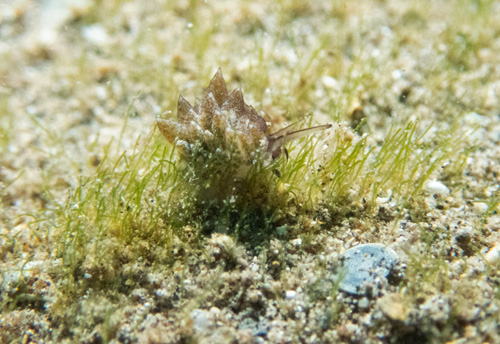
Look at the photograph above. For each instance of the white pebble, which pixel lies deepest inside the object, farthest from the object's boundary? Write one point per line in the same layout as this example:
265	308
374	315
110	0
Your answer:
479	207
473	118
363	303
330	82
397	74
290	294
96	34
215	310
201	320
435	187
493	255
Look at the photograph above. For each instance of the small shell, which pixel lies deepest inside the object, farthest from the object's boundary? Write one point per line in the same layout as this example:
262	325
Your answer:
223	118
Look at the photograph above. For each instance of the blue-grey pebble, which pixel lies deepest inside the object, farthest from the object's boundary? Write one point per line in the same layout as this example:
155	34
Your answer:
363	264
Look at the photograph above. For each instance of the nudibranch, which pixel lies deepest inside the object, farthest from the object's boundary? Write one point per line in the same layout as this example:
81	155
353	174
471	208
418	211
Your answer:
222	118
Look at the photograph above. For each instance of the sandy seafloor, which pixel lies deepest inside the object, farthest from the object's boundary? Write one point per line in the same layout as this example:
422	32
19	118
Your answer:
69	70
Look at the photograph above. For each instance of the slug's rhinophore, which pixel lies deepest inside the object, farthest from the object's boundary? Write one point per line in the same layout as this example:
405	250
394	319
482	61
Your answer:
221	119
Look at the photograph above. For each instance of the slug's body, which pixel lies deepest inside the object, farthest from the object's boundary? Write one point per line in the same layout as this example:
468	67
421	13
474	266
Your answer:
221	119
